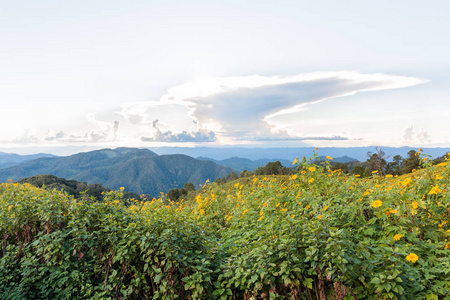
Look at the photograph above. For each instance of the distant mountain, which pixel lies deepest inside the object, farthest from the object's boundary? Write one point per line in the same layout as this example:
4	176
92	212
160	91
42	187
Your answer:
240	164
138	170
343	159
11	159
290	153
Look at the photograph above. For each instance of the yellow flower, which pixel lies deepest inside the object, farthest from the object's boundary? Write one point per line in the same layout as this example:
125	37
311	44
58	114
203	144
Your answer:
406	181
311	180
284	209
122	188
439	177
434	190
389	176
264	204
357	175
374	172
326	207
320	217
312	169
397	237
117	201
245	211
293	216
447	246
294	176
329	157
443	164
278	204
412	257
261	213
295	161
392	211
260	218
377	203
414	204
9	207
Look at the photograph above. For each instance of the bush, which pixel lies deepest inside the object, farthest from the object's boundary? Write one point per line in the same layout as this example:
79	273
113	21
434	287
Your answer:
318	234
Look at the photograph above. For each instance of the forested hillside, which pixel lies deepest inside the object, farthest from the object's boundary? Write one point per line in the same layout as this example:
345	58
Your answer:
138	170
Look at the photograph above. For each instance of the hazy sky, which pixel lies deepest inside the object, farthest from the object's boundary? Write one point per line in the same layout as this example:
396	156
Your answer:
262	73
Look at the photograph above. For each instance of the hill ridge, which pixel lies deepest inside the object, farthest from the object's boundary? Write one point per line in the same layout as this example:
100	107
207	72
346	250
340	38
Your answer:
138	170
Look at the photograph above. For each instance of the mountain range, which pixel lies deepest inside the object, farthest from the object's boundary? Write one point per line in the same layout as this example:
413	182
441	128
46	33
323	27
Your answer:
240	164
139	170
12	159
145	172
290	153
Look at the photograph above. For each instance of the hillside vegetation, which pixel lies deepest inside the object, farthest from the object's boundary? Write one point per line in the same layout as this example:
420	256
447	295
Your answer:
138	170
318	234
74	188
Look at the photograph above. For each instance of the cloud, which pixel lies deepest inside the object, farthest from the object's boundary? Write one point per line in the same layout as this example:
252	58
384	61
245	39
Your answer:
58	136
104	132
183	137
412	137
243	106
228	110
29	136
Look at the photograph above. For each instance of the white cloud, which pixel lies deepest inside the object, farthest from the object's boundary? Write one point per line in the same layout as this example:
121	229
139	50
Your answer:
410	136
102	132
226	110
244	106
29	136
183	137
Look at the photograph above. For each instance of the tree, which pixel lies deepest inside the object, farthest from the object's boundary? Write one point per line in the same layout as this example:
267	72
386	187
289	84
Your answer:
340	166
411	162
246	173
189	187
359	170
375	162
220	181
232	176
441	159
175	194
273	168
395	166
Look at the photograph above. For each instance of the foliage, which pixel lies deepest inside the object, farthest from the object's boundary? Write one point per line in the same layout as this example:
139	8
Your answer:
138	170
317	234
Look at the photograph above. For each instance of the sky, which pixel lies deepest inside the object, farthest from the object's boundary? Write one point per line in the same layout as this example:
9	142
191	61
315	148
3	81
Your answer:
97	74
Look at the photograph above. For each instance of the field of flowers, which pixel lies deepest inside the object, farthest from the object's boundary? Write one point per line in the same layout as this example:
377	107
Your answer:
318	234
